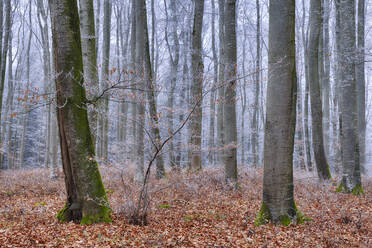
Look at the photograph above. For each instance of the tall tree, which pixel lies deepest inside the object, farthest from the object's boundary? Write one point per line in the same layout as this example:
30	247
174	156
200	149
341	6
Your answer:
197	85
88	46
220	91
86	196
361	82
278	201
316	101
229	107
351	180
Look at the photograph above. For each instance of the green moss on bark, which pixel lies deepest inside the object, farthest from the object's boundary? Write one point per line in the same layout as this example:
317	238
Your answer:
102	217
357	190
263	216
62	215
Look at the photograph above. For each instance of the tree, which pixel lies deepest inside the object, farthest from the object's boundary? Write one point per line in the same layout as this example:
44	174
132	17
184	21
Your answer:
229	108
278	201
103	122
220	91
351	180
315	94
361	82
86	196
197	85
88	46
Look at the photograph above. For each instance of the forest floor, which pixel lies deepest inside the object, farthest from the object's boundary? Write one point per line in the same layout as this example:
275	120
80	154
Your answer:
193	210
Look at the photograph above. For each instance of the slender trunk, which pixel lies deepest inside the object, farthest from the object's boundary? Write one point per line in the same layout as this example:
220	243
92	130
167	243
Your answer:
229	108
197	86
316	102
361	83
88	45
220	91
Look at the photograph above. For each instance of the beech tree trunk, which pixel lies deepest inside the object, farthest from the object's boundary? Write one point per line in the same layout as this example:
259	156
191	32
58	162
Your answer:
88	45
351	180
197	86
229	107
278	199
86	196
316	101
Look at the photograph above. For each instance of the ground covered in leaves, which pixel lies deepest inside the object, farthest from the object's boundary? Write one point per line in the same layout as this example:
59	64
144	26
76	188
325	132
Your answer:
195	210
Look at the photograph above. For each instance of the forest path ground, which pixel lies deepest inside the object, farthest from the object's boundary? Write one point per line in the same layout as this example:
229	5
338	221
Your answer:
186	211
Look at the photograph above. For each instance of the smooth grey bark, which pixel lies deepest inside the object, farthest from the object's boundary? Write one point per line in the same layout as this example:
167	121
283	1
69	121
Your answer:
307	127
132	70
278	199
150	89
315	91
88	45
229	107
197	86
104	120
326	96
257	89
86	196
174	61
361	82
220	91
139	70
351	180
4	51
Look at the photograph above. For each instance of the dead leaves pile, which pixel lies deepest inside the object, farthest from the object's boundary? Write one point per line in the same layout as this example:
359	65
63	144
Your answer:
186	211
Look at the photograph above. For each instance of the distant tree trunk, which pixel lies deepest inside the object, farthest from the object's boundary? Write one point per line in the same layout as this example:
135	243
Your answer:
86	196
307	139
326	77
278	199
197	86
212	99
107	9
257	90
150	88
88	45
220	91
229	108
316	101
174	60
139	70
4	51
132	70
361	83
28	84
351	181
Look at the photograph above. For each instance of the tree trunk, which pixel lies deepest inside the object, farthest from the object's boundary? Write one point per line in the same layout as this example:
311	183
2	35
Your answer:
197	86
229	107
88	46
351	181
316	101
361	83
220	91
107	9
278	199
86	196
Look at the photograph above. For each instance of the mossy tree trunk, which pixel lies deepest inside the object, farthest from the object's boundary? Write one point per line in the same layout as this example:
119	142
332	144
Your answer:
278	199
316	101
86	197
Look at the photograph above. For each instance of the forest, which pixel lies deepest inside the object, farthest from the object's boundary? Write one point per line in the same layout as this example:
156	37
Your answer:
185	123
